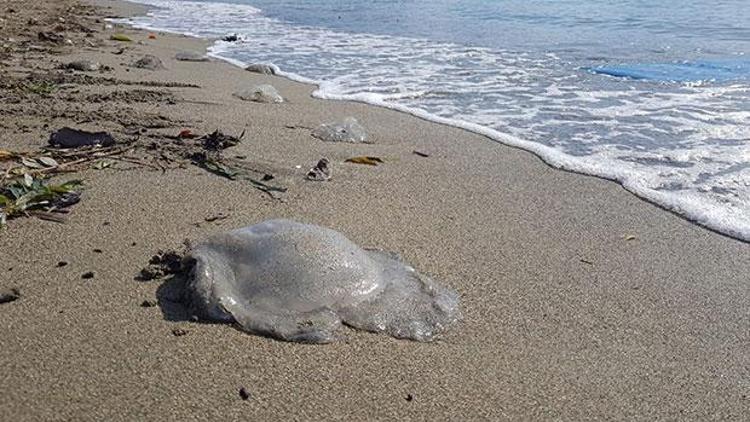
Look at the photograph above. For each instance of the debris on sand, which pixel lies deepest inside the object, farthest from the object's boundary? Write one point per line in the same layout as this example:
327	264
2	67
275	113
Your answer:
162	264
37	198
231	38
421	154
347	130
260	94
191	56
74	138
51	37
186	134
217	140
321	172
207	152
149	62
179	332
9	295
216	217
263	69
121	38
83	66
370	161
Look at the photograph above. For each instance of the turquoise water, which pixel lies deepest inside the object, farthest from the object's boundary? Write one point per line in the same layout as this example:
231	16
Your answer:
652	95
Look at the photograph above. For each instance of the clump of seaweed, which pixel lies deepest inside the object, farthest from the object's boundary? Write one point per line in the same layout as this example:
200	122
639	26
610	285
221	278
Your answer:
37	198
43	88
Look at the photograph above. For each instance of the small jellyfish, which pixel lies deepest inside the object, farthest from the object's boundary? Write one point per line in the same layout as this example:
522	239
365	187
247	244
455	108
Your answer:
300	282
347	130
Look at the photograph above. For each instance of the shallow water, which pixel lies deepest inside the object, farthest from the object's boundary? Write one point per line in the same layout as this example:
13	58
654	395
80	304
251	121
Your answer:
534	74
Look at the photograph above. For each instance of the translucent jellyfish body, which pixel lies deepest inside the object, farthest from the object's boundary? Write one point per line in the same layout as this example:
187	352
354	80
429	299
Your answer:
347	130
300	282
260	94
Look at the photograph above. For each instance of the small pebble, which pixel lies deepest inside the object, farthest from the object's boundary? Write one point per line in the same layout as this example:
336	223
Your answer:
148	303
98	251
61	264
409	397
179	332
88	275
244	394
9	295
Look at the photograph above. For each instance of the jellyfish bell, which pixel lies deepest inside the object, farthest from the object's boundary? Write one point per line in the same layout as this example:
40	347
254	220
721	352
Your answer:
301	282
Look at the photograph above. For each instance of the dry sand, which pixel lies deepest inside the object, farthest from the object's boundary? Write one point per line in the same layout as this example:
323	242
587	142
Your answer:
564	319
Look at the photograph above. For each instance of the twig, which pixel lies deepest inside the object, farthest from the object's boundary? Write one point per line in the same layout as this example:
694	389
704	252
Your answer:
136	161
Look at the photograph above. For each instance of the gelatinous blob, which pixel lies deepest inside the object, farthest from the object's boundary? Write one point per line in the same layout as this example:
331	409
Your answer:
260	94
300	282
347	130
191	56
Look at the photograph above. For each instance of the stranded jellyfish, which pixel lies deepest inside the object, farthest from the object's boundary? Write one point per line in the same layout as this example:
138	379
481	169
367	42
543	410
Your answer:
300	282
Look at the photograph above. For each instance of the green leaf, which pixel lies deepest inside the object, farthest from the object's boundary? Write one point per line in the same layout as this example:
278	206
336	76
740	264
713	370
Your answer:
66	187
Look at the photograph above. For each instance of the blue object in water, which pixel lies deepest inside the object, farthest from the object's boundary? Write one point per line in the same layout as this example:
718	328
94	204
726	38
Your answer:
718	71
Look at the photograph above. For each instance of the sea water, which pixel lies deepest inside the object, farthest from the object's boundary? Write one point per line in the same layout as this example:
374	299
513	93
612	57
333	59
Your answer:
654	95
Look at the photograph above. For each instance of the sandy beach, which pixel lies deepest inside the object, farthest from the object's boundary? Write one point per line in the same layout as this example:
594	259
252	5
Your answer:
579	300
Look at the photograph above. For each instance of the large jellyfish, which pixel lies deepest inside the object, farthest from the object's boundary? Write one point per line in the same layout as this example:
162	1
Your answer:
300	282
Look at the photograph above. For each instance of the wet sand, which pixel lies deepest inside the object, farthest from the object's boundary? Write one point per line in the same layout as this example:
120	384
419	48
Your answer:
564	317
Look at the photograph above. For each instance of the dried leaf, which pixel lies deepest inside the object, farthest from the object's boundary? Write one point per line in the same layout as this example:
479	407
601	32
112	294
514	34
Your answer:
102	164
370	161
120	37
186	134
32	164
28	180
6	155
48	161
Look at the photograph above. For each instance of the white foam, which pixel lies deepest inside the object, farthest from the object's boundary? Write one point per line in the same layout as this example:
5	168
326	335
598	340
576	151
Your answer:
682	147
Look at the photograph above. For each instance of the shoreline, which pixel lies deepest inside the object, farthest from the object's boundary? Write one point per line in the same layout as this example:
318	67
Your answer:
714	220
580	300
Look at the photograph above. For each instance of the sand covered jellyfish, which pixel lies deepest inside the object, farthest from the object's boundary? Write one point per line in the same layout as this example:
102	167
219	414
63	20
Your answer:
300	282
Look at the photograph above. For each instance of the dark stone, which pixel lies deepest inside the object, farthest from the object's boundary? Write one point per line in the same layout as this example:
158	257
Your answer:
72	138
87	276
179	332
244	394
9	295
